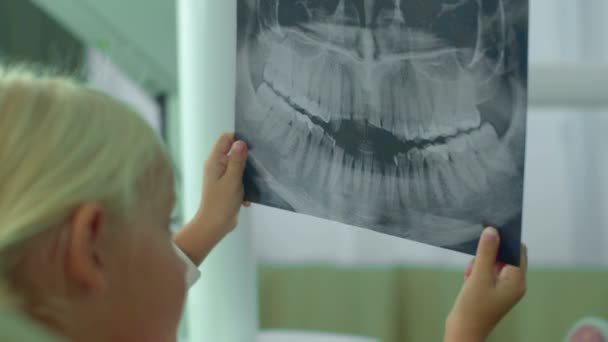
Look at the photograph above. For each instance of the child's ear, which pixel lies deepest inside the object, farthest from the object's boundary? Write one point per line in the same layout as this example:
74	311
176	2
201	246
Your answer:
83	264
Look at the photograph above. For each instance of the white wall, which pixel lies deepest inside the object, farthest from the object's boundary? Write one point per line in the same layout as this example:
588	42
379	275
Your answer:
104	75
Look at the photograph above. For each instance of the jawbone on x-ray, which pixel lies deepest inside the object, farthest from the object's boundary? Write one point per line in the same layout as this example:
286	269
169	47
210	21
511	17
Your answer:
406	117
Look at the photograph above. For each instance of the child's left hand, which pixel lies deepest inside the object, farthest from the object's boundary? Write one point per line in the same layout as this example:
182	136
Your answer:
223	185
222	197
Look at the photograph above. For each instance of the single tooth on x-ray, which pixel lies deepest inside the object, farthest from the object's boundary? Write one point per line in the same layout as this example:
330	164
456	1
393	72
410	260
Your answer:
265	97
393	183
336	167
347	172
375	184
358	175
433	179
406	117
400	180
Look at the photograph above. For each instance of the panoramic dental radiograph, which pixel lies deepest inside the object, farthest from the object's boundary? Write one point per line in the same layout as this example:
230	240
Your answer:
406	117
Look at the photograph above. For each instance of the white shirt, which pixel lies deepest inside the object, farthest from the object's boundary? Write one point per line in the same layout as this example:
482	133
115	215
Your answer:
192	272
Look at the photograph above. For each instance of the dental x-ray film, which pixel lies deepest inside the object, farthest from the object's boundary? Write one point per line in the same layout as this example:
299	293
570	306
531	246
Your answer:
406	117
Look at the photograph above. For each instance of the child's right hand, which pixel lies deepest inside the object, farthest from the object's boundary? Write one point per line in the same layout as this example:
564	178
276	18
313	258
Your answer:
489	292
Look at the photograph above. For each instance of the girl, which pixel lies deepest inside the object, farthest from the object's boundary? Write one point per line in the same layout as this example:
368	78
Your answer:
86	192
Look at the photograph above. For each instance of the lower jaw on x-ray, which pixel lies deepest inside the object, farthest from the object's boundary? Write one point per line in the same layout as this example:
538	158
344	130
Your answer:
355	112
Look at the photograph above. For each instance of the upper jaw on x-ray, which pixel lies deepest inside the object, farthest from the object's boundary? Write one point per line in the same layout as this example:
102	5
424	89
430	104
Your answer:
399	116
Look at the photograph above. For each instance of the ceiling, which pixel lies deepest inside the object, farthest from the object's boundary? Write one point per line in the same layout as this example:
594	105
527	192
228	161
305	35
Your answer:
138	35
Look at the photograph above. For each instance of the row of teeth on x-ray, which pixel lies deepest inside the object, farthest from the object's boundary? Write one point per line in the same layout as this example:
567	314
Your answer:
400	99
438	175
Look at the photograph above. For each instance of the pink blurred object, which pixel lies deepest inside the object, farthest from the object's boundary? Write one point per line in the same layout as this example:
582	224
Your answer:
589	329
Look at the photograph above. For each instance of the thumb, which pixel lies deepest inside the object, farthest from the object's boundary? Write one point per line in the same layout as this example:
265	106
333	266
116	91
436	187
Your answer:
238	160
487	250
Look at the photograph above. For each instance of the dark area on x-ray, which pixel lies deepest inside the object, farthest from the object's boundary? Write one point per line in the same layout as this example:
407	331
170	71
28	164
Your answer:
405	117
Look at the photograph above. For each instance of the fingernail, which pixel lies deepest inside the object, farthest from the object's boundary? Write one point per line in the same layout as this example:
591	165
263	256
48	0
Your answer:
489	234
238	147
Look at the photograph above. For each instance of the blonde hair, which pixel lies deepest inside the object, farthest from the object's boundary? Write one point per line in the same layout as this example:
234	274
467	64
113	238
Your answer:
61	144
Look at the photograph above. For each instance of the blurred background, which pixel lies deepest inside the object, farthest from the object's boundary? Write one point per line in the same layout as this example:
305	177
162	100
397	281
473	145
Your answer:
174	62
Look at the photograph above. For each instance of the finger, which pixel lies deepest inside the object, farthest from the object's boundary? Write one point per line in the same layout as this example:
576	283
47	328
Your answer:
524	258
512	281
487	251
512	275
247	204
222	145
498	267
218	159
469	269
238	160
